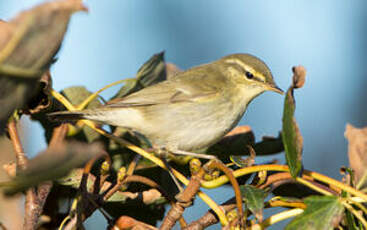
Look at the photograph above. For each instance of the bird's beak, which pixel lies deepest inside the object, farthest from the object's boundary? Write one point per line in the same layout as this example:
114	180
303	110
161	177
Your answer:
275	89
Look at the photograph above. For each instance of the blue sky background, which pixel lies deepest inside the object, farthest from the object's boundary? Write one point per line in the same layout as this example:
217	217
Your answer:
327	37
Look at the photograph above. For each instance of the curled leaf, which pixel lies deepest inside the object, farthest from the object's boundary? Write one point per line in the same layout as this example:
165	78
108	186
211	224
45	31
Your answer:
357	152
291	135
299	76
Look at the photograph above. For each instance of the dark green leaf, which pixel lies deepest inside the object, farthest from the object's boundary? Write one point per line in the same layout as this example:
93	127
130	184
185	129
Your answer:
234	143
292	189
322	213
237	141
150	73
52	164
269	146
292	139
254	199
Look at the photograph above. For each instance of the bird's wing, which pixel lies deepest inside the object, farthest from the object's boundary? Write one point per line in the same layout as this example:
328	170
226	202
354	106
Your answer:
171	91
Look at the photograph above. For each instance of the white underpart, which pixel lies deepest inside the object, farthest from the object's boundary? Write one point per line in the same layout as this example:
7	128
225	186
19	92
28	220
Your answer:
124	117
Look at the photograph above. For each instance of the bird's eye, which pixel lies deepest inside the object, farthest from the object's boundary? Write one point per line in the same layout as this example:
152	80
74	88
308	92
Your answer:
249	75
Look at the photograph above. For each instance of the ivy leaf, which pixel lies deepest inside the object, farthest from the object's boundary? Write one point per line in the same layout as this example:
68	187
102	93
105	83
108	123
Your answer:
322	213
254	200
292	138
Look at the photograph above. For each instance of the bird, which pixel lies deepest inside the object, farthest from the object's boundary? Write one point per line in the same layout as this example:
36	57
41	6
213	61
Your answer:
190	111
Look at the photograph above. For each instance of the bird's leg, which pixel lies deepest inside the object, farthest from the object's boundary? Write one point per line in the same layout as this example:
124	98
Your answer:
163	154
197	155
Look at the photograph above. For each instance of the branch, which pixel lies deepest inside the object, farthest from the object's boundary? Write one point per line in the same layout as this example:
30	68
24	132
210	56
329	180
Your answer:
210	218
35	197
184	200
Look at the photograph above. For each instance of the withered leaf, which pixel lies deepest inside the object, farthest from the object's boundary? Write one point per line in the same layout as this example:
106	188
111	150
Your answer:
357	152
291	135
52	164
28	44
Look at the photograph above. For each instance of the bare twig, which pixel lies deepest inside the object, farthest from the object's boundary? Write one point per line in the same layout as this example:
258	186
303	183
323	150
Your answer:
21	158
35	197
283	177
31	210
235	185
138	179
183	201
210	218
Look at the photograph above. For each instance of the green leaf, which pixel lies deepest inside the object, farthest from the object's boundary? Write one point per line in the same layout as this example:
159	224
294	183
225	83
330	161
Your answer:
254	200
150	73
322	213
76	95
292	138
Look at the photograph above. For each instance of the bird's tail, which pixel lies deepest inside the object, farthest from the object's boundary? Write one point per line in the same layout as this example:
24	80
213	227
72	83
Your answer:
67	115
124	117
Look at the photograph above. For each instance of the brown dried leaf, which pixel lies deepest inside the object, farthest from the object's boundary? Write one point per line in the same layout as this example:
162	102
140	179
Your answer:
299	76
28	44
34	36
52	164
238	130
357	150
126	222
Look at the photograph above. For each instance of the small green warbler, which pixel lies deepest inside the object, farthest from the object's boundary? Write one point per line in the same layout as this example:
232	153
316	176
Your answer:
192	110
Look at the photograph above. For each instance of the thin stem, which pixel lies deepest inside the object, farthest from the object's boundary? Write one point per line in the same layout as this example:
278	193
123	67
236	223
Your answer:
94	95
336	183
359	205
280	203
22	159
283	168
228	172
280	216
356	214
314	187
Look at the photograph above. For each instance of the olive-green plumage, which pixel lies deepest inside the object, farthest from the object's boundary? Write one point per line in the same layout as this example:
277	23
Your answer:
192	110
